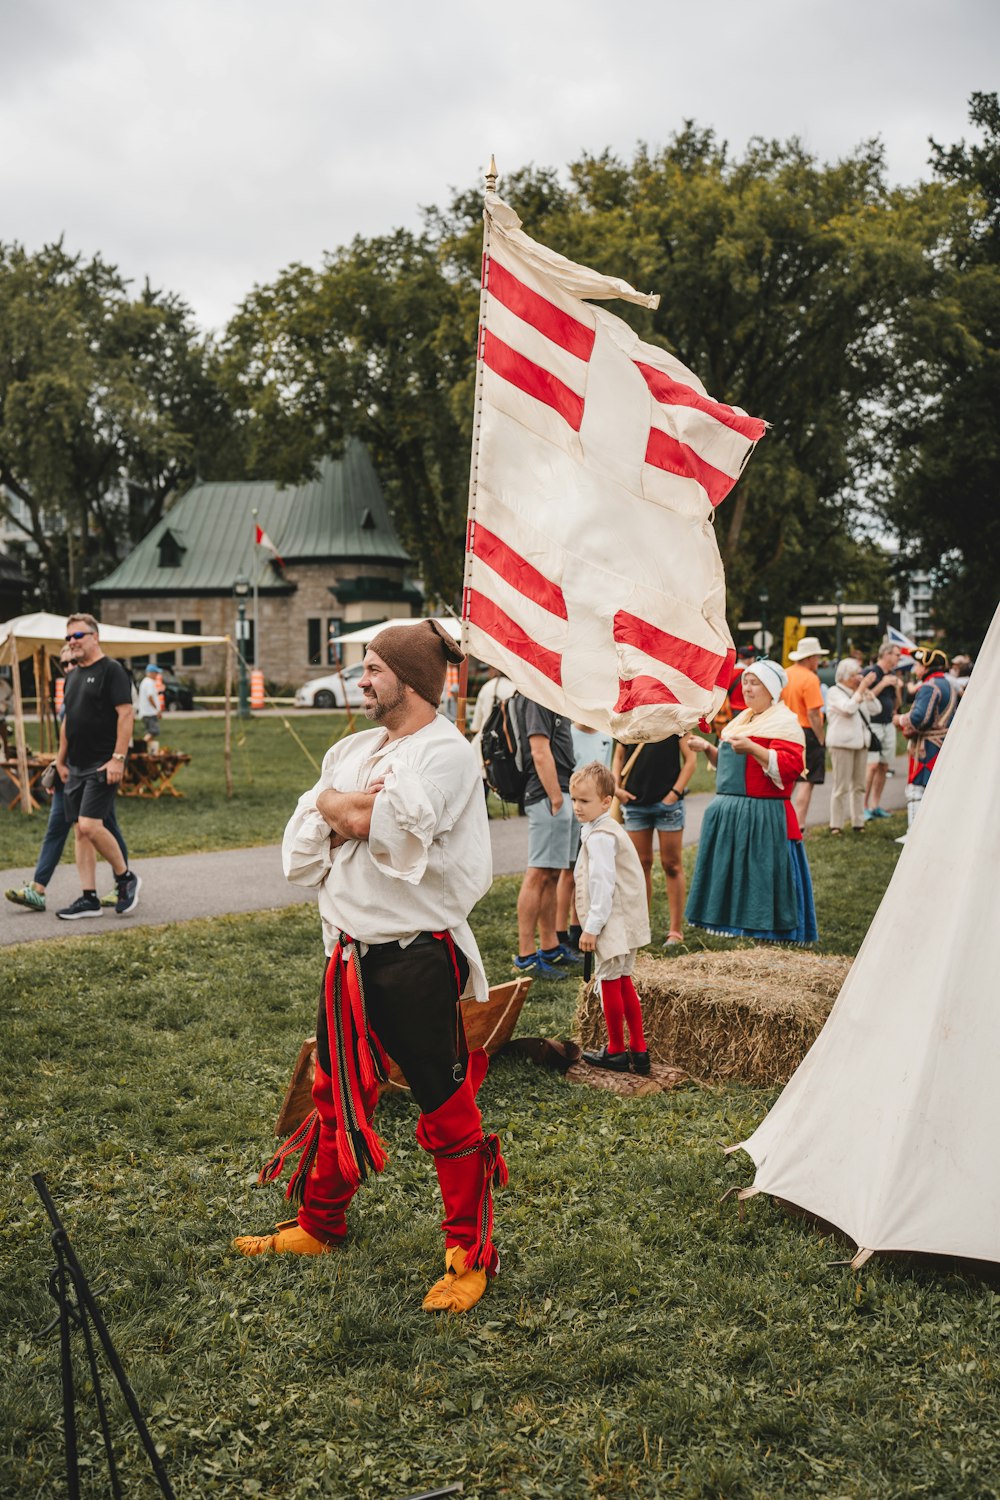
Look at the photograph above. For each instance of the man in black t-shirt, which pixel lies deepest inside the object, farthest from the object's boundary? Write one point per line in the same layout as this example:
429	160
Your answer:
546	741
93	744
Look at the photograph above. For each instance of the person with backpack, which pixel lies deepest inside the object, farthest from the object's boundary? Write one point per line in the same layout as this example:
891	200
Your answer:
548	757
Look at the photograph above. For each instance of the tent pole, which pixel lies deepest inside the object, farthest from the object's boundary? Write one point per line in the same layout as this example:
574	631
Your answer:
19	740
42	698
227	753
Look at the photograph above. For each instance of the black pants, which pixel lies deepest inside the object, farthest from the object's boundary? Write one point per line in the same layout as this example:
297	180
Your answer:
411	996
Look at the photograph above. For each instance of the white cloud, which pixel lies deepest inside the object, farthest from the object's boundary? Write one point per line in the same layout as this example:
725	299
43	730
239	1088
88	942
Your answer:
210	144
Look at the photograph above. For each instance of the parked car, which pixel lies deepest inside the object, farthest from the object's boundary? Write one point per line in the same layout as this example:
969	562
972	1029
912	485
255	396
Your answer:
177	693
329	692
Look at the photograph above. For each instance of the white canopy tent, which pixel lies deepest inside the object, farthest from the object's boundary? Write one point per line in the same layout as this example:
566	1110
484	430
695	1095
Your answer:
367	633
42	635
888	1126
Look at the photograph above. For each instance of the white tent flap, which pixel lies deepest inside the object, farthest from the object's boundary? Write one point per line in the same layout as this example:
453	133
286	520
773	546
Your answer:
887	1128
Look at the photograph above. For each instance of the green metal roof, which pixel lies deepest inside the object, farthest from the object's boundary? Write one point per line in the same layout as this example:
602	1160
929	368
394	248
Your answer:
341	515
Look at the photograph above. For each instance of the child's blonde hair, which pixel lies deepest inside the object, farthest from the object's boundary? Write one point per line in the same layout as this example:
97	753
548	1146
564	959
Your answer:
599	774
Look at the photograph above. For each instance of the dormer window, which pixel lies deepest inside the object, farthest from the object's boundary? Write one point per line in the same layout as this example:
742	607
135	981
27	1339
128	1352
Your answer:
368	521
171	550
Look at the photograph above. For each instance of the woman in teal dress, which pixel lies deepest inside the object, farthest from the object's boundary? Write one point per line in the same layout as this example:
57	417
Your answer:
752	877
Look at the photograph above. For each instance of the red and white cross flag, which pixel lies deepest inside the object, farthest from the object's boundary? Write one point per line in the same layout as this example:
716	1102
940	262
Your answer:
263	540
593	577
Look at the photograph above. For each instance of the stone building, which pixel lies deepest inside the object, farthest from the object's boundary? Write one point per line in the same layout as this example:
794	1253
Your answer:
342	566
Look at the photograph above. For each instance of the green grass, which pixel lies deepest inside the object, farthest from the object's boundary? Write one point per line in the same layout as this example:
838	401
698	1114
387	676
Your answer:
640	1341
269	770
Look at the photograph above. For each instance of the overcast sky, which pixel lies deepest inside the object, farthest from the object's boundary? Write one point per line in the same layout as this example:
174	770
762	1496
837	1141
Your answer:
210	143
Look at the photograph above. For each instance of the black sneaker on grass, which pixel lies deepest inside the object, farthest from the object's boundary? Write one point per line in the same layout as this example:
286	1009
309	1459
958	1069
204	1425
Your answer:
83	906
128	894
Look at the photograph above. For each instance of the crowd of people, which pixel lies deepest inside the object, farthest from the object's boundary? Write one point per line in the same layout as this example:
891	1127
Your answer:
751	877
394	840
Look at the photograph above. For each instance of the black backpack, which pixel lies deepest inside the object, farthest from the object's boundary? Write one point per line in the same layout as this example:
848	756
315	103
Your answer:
503	755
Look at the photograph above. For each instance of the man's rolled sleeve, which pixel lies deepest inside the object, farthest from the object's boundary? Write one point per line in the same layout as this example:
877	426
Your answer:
306	855
408	812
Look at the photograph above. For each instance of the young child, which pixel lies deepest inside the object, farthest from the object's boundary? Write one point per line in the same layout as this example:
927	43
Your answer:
611	900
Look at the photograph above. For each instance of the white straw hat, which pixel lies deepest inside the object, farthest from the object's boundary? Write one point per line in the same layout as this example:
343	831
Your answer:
808	646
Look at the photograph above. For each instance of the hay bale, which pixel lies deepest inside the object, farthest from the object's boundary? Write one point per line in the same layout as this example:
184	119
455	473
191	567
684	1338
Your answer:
746	1014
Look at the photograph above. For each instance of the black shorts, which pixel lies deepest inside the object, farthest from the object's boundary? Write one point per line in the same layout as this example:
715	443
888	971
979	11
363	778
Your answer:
815	759
411	996
87	794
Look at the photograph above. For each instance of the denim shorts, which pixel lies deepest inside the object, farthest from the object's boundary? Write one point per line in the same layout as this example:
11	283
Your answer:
550	839
665	817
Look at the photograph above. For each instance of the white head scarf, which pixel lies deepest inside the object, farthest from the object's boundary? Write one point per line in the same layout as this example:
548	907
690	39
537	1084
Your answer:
772	674
777	722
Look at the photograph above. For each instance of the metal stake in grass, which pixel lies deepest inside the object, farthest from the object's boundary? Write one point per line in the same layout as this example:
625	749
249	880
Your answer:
449	1489
76	1302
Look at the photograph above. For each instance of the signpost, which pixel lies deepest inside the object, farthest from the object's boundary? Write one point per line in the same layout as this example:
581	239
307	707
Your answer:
836	616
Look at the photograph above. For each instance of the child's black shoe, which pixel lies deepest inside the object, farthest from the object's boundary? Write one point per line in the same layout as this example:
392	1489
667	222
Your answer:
615	1062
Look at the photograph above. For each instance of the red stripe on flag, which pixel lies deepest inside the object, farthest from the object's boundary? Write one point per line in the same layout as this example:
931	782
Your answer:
491	618
674	393
532	379
726	670
639	692
561	327
517	571
697	662
665	452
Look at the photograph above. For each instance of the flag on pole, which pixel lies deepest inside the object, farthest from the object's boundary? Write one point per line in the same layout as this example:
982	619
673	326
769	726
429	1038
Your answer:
593	577
897	638
263	540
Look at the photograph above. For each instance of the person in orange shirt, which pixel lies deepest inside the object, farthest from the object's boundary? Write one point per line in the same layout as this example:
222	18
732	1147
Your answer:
804	696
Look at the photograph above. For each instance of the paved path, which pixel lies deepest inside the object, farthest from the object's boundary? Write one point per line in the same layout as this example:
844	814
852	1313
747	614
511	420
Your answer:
177	888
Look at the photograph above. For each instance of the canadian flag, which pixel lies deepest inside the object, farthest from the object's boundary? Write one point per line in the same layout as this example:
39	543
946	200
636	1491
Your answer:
593	577
263	540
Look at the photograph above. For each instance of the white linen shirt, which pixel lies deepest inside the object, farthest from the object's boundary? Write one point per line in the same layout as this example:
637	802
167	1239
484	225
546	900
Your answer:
427	859
602	852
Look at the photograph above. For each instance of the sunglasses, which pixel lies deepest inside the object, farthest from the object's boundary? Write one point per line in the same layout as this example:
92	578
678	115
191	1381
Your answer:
78	635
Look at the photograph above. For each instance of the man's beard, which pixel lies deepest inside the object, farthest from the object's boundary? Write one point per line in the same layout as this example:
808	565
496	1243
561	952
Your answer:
377	709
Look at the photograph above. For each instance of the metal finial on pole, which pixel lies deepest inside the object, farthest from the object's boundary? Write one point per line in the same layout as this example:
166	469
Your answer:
491	175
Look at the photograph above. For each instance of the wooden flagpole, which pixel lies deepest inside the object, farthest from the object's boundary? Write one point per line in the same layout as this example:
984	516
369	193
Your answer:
463	679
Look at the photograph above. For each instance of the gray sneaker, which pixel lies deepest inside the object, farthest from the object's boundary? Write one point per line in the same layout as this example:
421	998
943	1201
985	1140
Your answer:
128	894
27	896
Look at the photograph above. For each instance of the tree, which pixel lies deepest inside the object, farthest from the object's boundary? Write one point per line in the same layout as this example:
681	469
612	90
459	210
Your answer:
372	344
781	284
944	498
108	404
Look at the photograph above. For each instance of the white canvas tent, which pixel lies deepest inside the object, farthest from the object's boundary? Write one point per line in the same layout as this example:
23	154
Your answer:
26	633
42	635
367	633
888	1127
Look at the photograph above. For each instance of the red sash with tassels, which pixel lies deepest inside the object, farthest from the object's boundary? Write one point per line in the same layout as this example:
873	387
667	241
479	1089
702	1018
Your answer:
357	1062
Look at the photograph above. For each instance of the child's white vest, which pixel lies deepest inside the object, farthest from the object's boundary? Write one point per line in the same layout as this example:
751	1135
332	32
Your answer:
628	925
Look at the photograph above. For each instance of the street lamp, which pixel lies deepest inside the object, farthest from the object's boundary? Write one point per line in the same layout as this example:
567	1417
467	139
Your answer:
764	597
241	588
